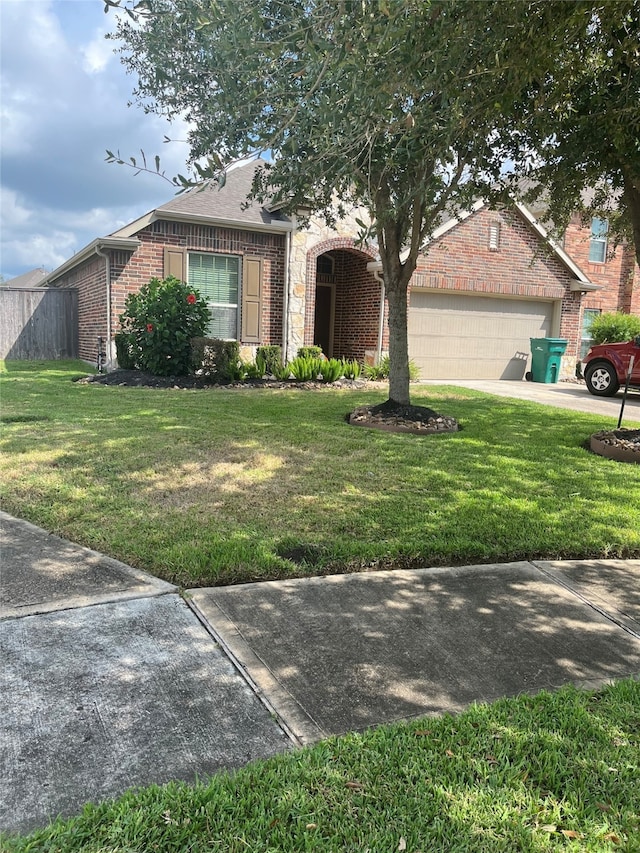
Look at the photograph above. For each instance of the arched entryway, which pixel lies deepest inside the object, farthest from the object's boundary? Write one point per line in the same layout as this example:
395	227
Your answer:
343	302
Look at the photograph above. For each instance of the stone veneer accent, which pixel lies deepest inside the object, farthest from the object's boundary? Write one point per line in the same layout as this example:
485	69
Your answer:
306	246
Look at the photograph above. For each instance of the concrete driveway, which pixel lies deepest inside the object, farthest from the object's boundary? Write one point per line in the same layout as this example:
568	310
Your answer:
563	395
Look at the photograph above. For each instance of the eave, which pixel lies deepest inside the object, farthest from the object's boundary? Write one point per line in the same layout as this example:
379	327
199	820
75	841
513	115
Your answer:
198	219
94	248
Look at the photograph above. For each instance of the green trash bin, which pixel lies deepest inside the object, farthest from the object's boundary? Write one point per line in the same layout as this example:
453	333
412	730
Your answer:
546	355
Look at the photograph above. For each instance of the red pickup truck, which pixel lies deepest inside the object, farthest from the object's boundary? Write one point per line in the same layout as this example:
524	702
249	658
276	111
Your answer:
606	366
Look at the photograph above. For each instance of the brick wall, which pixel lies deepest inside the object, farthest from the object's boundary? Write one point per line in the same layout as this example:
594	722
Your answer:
90	280
357	307
619	274
357	297
129	271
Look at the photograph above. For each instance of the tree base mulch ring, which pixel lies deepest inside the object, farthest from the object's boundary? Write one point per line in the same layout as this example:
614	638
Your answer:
391	417
621	445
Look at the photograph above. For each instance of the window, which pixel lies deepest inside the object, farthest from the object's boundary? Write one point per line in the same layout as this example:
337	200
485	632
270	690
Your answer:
325	269
217	277
598	244
585	337
324	265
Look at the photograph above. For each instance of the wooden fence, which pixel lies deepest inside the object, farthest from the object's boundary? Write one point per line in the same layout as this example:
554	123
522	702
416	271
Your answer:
38	323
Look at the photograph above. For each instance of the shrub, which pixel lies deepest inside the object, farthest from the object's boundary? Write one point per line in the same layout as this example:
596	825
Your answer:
351	369
124	351
271	356
331	369
381	370
614	328
304	369
281	371
218	359
254	369
310	352
158	325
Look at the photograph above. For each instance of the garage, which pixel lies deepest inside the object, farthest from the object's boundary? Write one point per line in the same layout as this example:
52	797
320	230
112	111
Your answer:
466	336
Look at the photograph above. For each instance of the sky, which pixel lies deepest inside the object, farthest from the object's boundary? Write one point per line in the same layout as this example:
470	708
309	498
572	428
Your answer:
64	98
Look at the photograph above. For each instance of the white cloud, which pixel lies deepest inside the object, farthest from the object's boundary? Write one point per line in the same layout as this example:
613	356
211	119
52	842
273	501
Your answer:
96	55
12	211
64	98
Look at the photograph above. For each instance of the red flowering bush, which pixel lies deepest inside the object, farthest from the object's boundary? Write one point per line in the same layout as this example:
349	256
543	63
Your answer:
158	325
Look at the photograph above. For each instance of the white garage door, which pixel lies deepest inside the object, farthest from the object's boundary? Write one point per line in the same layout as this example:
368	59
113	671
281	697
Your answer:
461	336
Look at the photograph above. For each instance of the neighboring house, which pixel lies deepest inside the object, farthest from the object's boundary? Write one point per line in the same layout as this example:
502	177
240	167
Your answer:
615	271
487	283
33	278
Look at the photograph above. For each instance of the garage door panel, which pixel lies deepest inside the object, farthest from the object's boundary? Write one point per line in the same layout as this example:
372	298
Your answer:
461	336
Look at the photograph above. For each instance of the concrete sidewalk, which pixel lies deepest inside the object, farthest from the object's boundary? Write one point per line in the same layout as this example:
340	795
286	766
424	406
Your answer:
110	679
110	682
342	653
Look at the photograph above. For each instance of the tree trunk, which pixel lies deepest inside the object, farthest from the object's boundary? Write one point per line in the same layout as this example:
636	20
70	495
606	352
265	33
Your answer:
632	199
398	343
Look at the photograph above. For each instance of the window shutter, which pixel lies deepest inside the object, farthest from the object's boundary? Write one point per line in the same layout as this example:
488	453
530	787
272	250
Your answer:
251	300
174	263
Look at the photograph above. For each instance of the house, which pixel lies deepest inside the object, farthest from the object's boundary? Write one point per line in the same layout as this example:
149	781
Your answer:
32	278
616	272
487	282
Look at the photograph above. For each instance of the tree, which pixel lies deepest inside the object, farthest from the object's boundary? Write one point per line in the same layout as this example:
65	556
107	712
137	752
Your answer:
581	120
404	107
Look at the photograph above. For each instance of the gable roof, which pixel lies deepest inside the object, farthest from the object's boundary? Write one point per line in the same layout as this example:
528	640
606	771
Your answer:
579	281
32	278
224	206
212	204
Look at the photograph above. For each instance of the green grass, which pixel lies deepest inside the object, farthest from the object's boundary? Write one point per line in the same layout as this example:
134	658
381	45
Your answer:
546	773
224	485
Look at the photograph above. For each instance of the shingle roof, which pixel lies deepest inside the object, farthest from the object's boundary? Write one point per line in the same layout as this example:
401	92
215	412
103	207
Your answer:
228	202
33	278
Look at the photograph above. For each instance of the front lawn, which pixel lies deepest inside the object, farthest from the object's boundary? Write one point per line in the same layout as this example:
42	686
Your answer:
554	772
220	486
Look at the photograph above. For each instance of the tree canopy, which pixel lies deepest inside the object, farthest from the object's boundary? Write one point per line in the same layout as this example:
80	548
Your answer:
408	108
581	121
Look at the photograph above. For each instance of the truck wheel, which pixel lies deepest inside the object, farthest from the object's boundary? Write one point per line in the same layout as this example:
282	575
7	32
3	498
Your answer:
601	379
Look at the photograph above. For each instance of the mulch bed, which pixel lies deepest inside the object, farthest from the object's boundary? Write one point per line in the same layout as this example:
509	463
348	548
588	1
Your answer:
621	445
139	379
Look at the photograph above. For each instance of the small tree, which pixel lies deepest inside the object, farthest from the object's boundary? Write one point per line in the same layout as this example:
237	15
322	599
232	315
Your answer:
159	323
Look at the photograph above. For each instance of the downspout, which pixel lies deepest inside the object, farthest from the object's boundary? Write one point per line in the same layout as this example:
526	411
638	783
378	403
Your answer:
375	267
379	277
108	350
285	298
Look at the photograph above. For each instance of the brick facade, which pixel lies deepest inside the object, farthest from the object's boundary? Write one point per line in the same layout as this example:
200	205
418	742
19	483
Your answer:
90	280
463	260
619	275
129	271
357	298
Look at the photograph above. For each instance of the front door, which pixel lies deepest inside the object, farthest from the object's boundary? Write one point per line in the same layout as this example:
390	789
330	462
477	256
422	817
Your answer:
323	319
